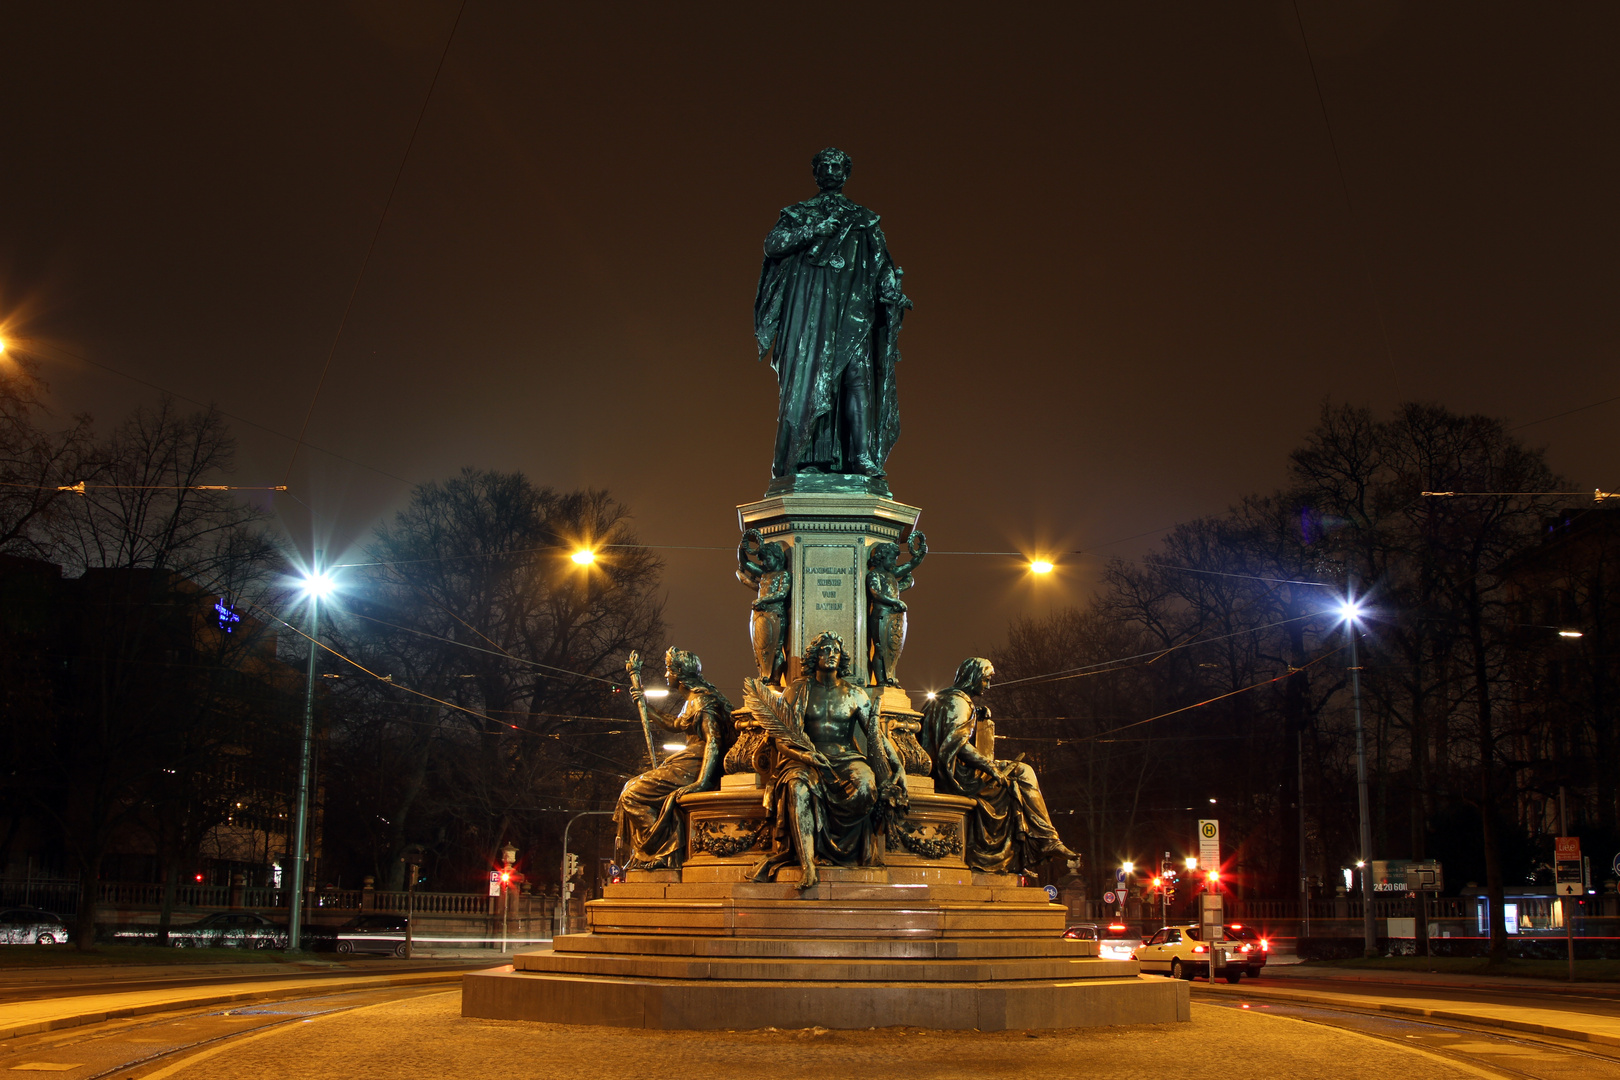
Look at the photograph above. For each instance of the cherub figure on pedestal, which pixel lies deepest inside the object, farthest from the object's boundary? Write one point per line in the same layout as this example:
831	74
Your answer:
763	566
886	579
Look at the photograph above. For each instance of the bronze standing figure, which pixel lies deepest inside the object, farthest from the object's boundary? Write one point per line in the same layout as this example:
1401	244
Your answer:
651	829
828	312
1009	830
763	567
886	612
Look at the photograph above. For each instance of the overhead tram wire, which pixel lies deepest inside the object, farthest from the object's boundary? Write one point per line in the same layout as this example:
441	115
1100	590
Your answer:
371	247
1566	412
1290	673
1152	657
389	680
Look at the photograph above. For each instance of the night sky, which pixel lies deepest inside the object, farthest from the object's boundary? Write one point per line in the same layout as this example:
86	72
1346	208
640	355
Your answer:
1136	270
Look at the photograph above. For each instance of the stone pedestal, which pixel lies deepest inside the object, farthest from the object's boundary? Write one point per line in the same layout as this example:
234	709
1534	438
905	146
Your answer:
861	949
920	941
828	535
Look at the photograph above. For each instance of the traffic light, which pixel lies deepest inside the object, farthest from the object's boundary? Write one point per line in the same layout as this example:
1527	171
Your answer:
506	877
1158	882
571	865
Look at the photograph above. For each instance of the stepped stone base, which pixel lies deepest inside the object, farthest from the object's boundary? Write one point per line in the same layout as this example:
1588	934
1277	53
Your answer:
859	950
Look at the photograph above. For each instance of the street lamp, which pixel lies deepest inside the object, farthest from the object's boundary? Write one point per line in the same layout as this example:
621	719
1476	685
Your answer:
1350	612
316	584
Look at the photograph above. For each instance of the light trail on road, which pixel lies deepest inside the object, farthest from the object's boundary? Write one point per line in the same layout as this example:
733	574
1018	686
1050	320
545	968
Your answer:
138	1047
1529	1057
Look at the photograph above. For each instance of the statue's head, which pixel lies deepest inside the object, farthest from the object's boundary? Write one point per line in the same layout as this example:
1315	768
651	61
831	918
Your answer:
831	168
825	647
772	556
974	675
883	556
682	667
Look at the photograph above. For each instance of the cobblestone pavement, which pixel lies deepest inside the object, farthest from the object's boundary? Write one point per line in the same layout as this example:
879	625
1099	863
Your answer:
428	1038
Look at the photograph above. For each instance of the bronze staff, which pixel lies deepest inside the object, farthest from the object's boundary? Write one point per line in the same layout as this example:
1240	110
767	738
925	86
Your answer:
633	667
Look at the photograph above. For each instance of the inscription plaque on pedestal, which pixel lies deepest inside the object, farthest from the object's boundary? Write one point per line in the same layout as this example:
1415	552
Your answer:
831	598
828	536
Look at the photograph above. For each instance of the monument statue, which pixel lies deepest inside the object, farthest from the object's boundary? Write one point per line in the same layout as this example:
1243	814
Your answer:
1010	829
651	828
834	775
886	612
830	300
763	567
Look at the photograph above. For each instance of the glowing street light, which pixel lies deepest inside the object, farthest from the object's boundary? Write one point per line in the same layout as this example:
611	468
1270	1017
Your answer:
584	556
317	585
1040	566
1570	634
1127	866
1350	613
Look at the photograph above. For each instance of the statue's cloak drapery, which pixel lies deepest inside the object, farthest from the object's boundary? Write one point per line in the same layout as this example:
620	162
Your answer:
825	305
999	821
651	828
843	793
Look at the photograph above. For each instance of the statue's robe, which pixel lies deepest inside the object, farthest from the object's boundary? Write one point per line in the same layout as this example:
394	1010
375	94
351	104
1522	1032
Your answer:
843	794
832	306
651	829
1009	828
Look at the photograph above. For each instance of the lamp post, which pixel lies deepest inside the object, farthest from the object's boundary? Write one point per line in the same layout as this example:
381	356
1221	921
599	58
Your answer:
316	585
1351	612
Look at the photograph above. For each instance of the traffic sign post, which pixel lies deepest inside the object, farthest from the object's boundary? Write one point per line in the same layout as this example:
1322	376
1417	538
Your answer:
1568	881
1211	916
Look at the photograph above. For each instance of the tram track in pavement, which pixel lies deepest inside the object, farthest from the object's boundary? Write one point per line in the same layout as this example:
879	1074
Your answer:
32	991
1490	1050
135	1047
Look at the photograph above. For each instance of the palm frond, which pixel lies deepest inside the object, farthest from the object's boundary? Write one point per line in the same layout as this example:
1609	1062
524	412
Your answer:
774	714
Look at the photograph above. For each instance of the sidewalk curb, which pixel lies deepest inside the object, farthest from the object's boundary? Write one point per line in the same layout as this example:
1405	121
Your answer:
1350	1000
185	1001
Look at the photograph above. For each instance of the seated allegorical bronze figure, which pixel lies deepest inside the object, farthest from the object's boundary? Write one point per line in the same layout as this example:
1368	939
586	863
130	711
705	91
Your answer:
651	829
1009	830
833	770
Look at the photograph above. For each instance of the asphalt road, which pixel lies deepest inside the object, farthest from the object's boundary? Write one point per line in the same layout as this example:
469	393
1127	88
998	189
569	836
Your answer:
1250	1030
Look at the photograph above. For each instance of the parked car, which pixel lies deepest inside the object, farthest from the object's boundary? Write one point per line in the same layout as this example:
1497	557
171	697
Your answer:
31	926
373	934
230	930
1180	952
1259	946
1115	941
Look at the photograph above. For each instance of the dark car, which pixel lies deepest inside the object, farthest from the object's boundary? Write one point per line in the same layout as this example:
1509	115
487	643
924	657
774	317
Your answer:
1115	941
373	934
31	926
1259	946
230	930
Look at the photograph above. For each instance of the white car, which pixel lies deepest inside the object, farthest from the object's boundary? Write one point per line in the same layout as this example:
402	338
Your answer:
1181	953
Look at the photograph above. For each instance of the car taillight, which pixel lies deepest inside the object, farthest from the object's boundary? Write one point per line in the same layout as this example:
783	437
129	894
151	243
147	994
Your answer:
1265	946
1245	948
1200	948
